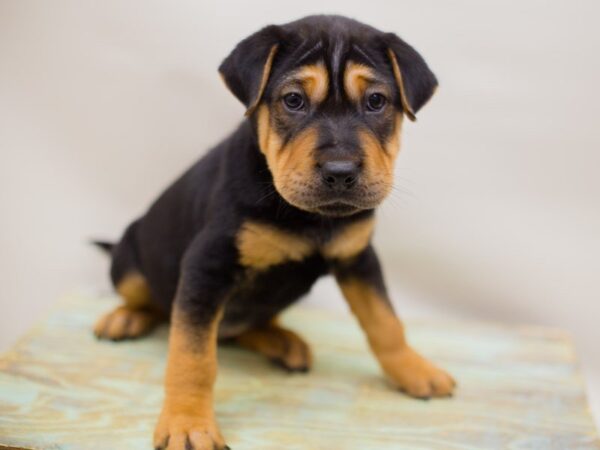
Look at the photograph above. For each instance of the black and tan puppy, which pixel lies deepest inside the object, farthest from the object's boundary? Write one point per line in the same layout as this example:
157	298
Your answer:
287	198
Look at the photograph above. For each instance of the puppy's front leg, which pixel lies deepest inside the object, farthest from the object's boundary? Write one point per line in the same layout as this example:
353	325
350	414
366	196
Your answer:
187	420
363	287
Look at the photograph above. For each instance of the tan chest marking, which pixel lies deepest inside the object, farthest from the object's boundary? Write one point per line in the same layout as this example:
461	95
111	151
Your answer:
262	246
350	241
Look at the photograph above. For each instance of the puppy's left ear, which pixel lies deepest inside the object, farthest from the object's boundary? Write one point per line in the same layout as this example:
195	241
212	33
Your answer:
416	82
247	68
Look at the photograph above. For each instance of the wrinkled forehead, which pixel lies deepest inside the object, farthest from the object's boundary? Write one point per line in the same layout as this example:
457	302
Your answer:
336	68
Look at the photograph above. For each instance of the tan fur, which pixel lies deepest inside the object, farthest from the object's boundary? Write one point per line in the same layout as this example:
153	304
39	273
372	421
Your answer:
356	80
125	322
400	83
296	167
406	369
278	344
292	165
134	290
269	141
261	246
392	146
191	372
350	241
315	81
263	82
380	158
133	319
378	165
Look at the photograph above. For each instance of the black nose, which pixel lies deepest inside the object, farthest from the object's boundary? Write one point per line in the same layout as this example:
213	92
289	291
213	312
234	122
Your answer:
340	174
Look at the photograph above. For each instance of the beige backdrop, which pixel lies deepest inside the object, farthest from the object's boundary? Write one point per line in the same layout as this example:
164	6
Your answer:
497	211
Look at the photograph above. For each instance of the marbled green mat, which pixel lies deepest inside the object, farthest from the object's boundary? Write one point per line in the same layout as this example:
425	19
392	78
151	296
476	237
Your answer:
519	387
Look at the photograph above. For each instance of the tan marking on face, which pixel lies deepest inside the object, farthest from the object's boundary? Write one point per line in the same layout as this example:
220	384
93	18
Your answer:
268	140
357	78
392	146
134	290
296	167
378	166
262	246
291	165
263	81
350	241
406	368
380	158
190	376
315	81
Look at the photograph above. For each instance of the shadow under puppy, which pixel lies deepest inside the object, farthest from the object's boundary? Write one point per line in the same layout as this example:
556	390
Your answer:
285	199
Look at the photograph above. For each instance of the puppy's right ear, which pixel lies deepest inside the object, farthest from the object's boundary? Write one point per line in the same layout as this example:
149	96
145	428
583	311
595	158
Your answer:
247	68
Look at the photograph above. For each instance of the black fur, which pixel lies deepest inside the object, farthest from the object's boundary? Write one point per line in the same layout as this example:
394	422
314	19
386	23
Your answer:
419	81
243	68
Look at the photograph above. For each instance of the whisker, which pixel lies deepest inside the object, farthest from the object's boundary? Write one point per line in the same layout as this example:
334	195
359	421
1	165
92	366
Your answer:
264	197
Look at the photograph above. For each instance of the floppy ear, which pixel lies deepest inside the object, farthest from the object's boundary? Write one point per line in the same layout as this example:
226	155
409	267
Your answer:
416	82
247	68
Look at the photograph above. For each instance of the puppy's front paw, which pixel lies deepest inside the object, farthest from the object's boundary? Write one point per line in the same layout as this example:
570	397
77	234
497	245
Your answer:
417	377
187	432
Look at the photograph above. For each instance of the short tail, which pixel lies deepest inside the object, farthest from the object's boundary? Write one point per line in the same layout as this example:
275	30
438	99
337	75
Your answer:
106	247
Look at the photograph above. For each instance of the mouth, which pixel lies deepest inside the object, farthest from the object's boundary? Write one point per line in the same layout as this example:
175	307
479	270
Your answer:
337	209
332	204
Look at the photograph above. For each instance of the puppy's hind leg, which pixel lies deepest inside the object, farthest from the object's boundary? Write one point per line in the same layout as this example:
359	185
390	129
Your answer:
136	316
282	346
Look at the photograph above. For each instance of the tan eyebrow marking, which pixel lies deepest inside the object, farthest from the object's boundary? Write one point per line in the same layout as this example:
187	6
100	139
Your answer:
357	78
315	81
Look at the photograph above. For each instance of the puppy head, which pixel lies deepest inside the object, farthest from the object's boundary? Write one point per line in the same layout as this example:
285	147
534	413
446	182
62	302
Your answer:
328	96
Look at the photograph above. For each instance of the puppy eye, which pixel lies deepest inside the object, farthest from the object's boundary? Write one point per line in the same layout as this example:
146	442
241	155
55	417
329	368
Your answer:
376	102
293	101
